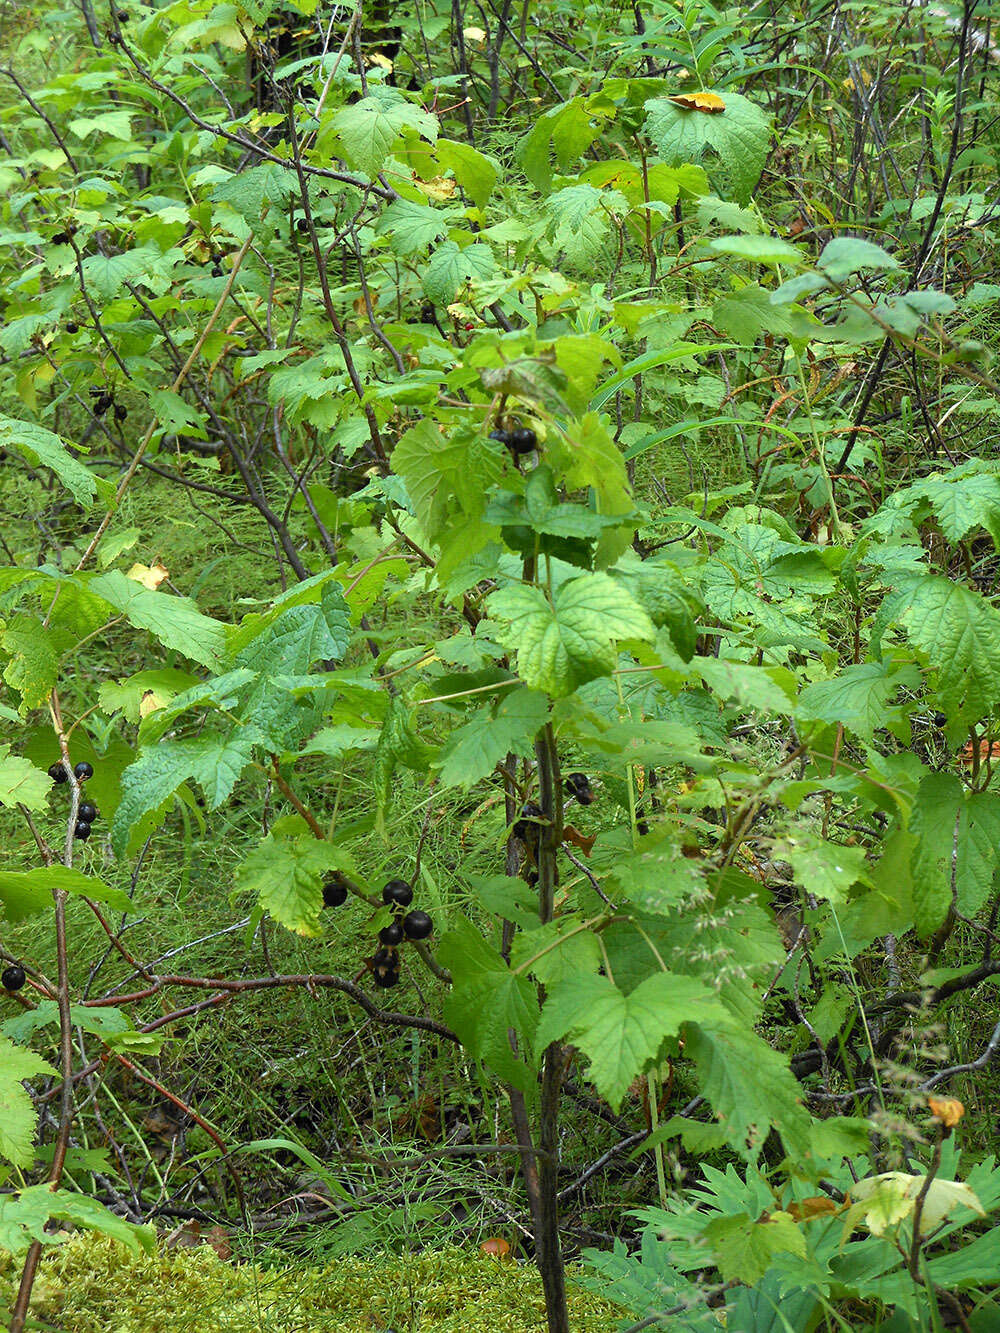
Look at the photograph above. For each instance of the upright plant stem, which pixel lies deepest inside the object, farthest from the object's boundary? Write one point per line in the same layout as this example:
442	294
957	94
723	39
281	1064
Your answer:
548	1250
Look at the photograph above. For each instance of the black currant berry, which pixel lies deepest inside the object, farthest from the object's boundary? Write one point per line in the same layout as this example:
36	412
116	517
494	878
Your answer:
417	925
522	440
88	812
58	772
392	935
302	226
334	893
82	771
578	785
940	719
397	892
72	328
427	315
12	978
385	977
82	830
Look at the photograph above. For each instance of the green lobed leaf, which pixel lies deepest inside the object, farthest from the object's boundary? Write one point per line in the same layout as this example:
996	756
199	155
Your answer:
18	1122
621	1033
562	644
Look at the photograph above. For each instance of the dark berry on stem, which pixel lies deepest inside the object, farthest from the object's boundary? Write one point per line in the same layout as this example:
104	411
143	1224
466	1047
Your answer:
12	978
417	925
397	891
88	812
334	893
392	935
58	772
522	440
82	830
82	771
578	785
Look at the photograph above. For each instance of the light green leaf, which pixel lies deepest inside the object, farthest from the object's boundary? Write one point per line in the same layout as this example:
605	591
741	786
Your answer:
21	783
562	645
286	874
750	1087
473	750
175	621
739	134
25	892
474	171
621	1033
18	1122
450	268
486	1002
368	129
42	447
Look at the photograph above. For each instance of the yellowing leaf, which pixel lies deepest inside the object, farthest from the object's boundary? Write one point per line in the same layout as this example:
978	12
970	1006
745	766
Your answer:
438	187
151	701
711	103
150	576
884	1200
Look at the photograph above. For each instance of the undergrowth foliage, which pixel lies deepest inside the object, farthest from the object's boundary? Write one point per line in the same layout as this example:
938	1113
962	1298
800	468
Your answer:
741	728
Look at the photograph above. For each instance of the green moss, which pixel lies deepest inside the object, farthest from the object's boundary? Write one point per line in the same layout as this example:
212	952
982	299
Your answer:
92	1285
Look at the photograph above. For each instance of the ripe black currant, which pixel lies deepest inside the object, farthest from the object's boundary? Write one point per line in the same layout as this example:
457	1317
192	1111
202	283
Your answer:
58	772
940	719
397	892
392	935
417	925
81	830
522	440
578	785
72	327
88	812
12	978
334	893
82	771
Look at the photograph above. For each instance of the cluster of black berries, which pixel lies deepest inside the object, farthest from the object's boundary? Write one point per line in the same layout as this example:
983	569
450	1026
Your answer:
86	812
12	978
415	925
103	399
518	439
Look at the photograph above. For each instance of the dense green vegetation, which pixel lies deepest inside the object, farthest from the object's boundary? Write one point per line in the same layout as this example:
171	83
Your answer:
499	516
